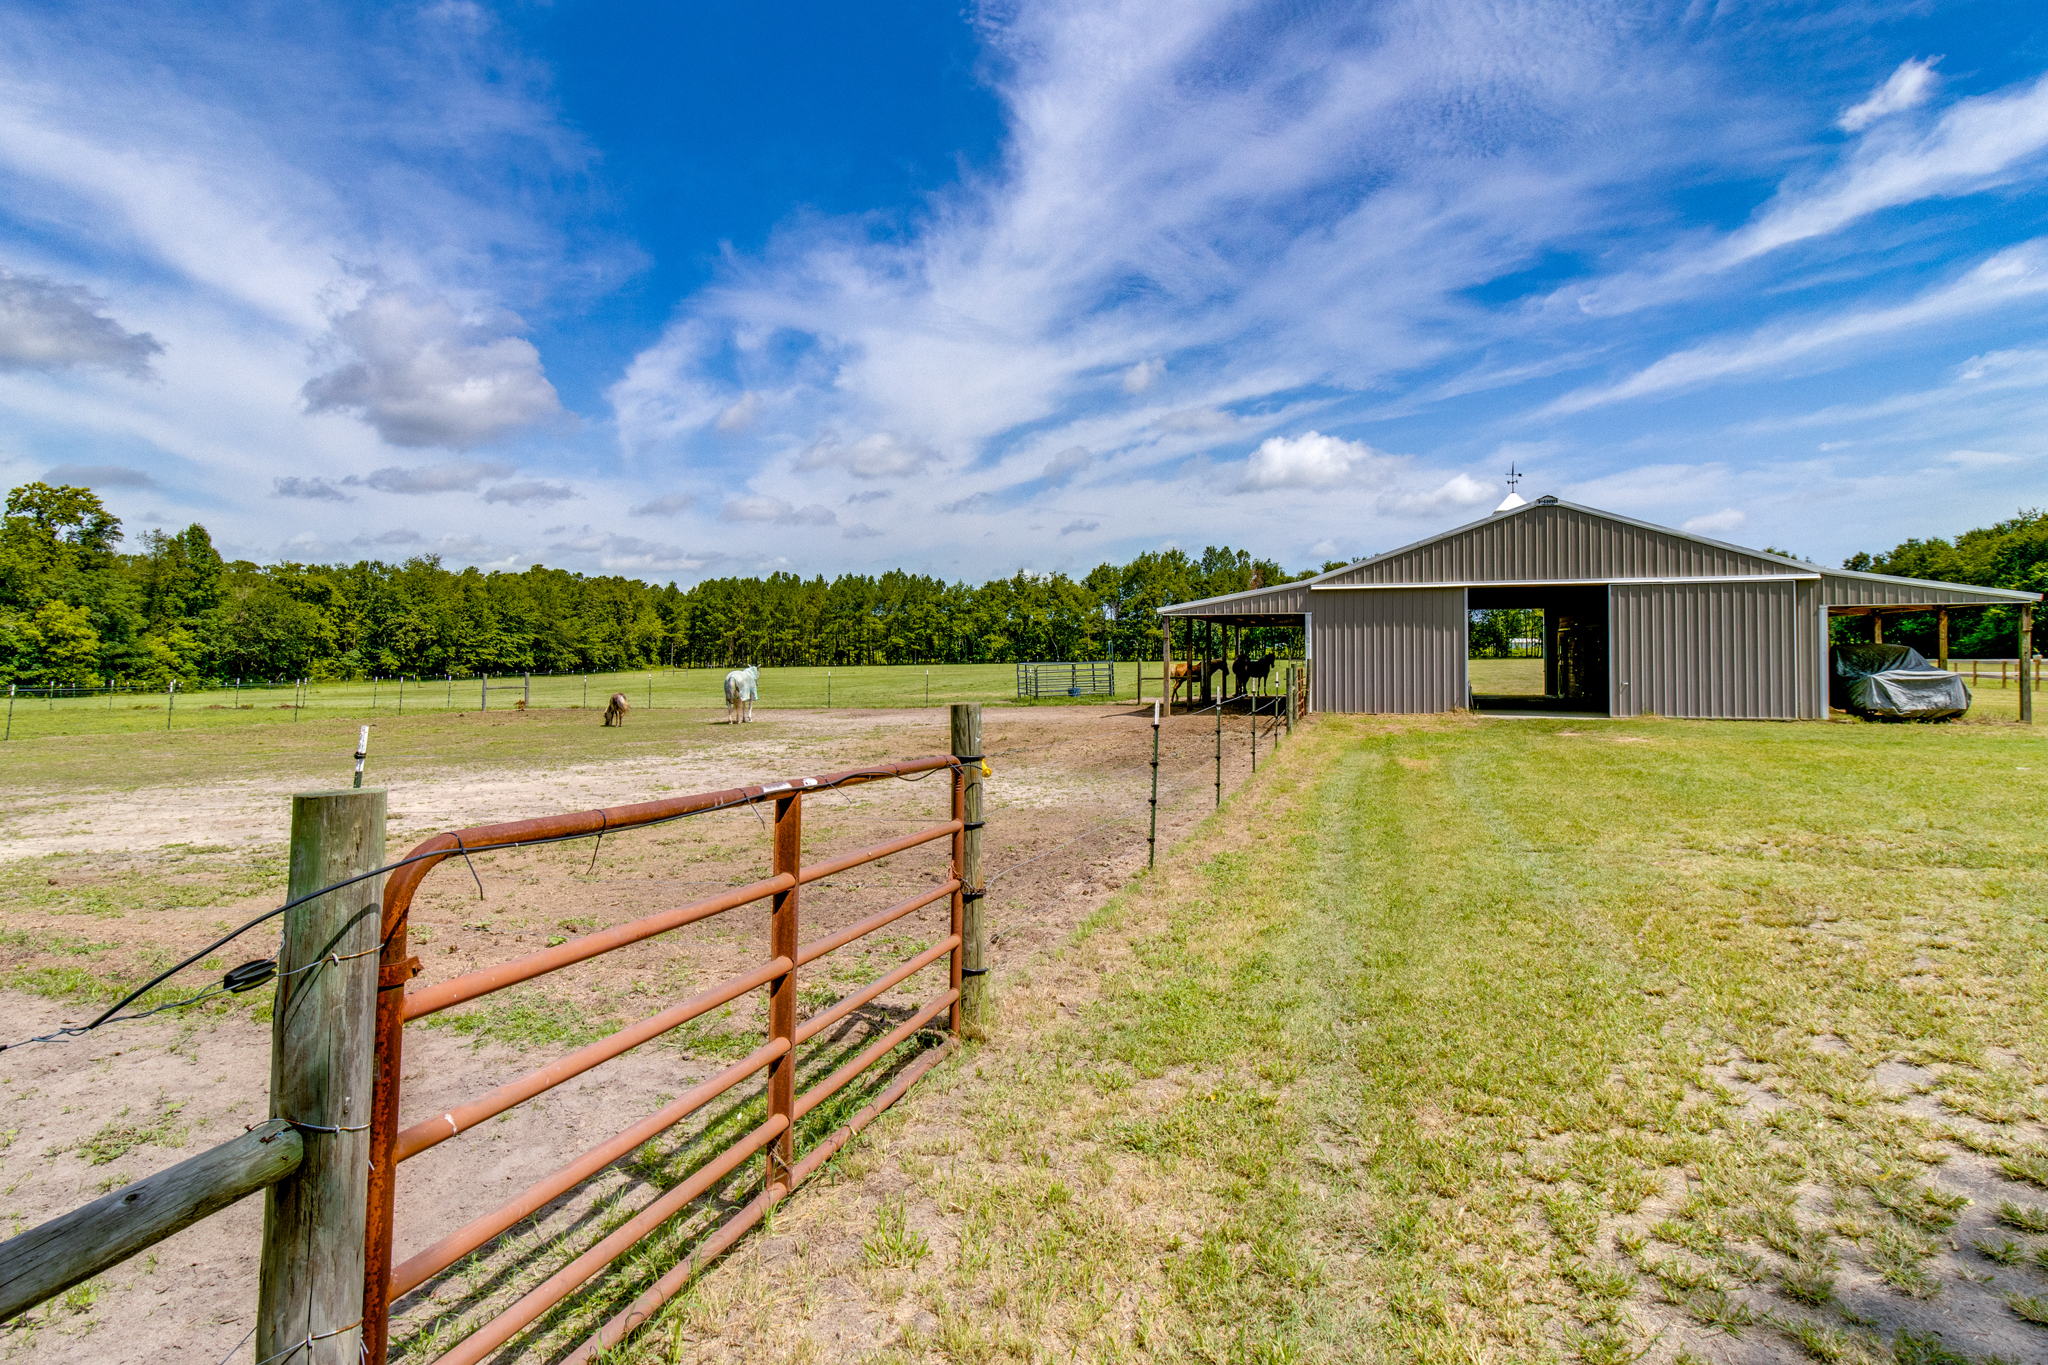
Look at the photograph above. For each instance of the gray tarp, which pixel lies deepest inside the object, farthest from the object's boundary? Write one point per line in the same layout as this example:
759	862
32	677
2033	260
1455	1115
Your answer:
1897	683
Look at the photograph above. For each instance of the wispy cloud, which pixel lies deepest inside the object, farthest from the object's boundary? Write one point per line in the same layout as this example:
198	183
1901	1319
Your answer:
1975	144
1904	89
2009	278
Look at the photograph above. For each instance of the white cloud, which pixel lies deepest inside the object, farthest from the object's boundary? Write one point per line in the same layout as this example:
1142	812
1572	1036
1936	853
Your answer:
98	476
1143	375
616	553
449	476
313	489
1727	521
45	325
1982	459
879	455
667	505
529	493
740	413
1904	89
424	374
761	508
1460	492
1310	460
1066	464
2009	277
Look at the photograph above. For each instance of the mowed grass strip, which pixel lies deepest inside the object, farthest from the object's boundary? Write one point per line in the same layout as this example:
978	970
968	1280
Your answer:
1489	1041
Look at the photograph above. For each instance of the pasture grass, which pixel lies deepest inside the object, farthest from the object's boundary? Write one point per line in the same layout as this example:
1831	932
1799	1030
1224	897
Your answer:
264	705
1463	1040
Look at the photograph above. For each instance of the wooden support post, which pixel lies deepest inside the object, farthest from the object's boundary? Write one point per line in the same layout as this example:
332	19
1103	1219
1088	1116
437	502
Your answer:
1290	699
966	745
310	1296
782	942
1941	636
2026	664
1877	627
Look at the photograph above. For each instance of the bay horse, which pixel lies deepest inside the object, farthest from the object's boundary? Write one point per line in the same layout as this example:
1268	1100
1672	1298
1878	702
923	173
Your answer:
1192	673
615	712
742	690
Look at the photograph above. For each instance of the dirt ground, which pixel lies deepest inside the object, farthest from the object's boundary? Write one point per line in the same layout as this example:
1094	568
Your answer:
98	886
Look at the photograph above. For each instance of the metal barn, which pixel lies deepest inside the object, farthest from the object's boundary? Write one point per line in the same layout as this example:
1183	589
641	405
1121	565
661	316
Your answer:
1638	619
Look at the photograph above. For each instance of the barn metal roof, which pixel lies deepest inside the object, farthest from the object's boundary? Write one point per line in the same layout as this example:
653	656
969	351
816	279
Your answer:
1434	562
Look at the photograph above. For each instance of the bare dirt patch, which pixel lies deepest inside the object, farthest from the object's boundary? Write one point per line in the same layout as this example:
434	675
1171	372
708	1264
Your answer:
101	886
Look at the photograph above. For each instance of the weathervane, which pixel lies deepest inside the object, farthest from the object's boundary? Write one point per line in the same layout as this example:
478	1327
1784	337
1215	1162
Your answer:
1514	477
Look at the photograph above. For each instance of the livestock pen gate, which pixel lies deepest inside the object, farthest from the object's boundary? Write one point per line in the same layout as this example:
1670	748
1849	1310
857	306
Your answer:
330	1156
1067	679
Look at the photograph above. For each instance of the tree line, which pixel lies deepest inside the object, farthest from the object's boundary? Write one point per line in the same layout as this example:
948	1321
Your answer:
2008	554
77	608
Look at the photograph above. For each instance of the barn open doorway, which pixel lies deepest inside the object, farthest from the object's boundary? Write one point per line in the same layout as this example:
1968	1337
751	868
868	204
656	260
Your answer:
1538	649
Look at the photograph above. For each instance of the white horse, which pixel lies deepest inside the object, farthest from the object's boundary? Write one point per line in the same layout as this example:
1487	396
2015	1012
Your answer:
742	690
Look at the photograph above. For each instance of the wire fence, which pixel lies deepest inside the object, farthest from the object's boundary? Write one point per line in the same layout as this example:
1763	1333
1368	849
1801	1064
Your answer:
1186	780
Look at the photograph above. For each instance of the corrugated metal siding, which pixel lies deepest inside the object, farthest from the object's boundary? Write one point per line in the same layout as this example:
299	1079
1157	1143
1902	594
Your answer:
1732	651
1843	591
1401	651
1285	598
1556	543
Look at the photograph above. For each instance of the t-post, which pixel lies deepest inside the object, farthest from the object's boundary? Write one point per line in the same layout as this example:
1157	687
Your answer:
1152	835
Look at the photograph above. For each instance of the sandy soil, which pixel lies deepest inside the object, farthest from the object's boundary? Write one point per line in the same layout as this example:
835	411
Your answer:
1067	822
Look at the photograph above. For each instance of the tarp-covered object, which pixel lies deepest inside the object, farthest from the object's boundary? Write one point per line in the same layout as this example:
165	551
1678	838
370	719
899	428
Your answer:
1896	683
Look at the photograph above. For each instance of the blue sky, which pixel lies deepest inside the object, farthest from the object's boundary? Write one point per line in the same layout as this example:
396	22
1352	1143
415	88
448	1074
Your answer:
686	289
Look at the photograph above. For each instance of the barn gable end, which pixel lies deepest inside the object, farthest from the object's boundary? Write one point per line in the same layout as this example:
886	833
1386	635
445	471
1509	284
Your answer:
1556	542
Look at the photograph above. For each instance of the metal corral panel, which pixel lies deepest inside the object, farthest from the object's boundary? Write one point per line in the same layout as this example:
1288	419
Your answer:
1401	651
1732	651
1847	590
1549	544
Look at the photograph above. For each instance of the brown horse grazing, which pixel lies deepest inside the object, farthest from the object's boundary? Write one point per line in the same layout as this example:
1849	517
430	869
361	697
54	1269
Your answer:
1247	669
1192	673
615	714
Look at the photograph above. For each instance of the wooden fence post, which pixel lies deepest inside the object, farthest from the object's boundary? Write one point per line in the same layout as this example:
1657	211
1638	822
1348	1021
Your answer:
2026	664
310	1295
966	744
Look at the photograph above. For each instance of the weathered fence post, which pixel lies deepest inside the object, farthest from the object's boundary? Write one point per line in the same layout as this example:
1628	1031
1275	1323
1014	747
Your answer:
1290	699
783	934
966	745
170	701
2026	664
526	695
483	696
1152	834
310	1295
10	711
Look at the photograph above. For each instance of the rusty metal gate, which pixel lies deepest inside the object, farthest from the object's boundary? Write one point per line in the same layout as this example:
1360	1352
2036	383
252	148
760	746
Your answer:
774	1137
